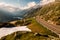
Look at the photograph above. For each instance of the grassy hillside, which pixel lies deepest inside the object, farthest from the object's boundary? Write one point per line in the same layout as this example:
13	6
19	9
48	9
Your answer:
51	13
38	28
24	36
42	33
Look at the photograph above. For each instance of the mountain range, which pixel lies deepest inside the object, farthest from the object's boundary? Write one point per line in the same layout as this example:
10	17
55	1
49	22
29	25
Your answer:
6	13
10	13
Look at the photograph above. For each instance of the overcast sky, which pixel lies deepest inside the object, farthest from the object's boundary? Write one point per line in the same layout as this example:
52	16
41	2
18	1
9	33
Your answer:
24	4
19	2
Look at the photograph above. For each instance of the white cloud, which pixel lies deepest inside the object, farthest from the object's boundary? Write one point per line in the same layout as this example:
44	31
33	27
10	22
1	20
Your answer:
29	5
5	4
12	7
32	4
43	2
9	7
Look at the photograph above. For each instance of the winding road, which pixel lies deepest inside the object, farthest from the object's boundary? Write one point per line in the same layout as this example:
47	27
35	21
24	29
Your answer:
53	28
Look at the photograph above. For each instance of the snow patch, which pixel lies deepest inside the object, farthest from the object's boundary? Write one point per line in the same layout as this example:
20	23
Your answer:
7	31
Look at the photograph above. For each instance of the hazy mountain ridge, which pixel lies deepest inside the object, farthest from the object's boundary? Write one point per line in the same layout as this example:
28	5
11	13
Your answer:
17	13
8	13
49	12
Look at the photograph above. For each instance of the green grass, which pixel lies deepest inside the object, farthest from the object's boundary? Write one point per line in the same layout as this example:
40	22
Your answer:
51	12
36	27
24	36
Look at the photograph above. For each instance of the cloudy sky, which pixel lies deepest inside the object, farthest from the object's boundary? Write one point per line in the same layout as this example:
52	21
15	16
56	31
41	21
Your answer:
19	2
24	4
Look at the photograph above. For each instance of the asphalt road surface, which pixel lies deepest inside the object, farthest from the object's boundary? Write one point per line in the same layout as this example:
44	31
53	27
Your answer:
53	28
